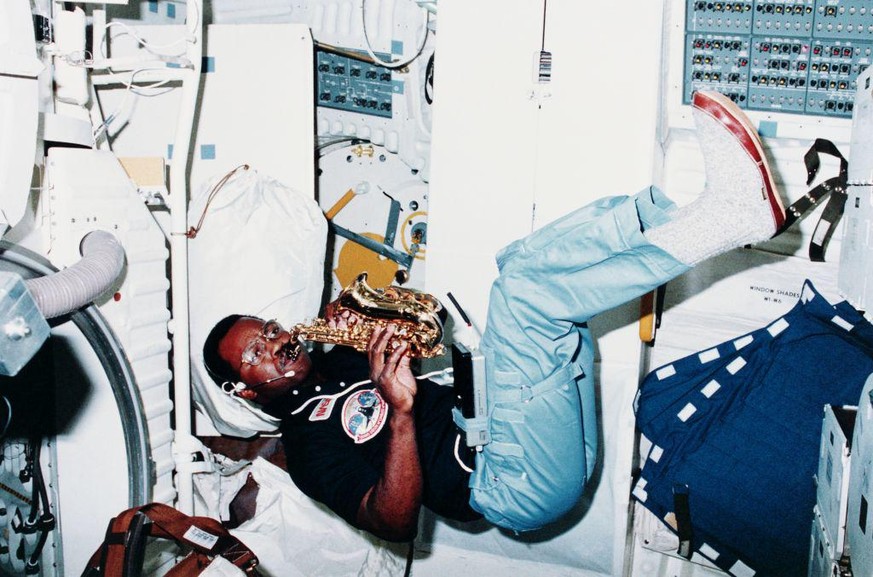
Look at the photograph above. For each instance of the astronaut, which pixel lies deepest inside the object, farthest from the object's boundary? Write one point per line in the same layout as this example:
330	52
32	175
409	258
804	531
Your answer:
538	357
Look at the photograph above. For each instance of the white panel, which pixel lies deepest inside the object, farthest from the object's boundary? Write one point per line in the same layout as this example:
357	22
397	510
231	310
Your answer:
257	103
441	560
597	128
91	462
832	478
253	107
483	170
856	271
18	109
71	81
859	527
821	551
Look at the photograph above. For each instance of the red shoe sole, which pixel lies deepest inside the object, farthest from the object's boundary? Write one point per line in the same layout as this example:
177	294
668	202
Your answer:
728	114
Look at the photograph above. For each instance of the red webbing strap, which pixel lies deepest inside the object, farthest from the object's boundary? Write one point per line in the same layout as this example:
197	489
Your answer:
108	559
202	534
205	536
190	566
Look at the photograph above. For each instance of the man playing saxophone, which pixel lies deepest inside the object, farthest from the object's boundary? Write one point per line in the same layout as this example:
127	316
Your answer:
363	436
356	447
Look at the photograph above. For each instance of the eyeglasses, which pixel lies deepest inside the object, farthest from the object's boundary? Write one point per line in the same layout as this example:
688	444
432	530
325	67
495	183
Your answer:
255	351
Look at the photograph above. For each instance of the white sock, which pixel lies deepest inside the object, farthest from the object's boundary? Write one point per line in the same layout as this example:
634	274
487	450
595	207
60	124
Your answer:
733	210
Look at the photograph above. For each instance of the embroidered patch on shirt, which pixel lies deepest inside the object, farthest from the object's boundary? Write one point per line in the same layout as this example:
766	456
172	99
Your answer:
364	414
322	410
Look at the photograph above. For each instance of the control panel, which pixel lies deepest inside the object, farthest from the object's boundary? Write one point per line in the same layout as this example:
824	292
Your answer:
795	56
345	83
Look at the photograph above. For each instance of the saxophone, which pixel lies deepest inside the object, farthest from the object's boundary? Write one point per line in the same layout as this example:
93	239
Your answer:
415	315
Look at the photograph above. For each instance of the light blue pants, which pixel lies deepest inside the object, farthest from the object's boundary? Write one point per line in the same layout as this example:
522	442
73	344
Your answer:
539	355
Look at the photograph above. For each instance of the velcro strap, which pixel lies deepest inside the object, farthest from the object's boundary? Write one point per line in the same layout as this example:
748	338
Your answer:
459	419
524	393
835	186
682	511
506	449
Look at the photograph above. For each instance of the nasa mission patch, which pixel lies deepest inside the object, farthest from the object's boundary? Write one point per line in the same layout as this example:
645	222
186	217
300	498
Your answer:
364	414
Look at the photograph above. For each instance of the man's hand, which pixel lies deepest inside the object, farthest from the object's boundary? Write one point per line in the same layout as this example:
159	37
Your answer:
390	508
338	317
391	372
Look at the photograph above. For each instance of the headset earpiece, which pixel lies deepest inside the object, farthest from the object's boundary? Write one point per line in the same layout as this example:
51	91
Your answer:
231	388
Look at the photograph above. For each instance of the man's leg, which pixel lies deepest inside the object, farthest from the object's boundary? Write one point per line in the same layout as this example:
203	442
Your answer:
536	344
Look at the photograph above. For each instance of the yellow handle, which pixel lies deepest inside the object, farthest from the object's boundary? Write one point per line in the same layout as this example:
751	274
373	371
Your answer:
647	317
340	204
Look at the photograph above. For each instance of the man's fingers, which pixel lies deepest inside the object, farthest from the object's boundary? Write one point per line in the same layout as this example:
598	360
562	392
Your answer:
379	340
399	353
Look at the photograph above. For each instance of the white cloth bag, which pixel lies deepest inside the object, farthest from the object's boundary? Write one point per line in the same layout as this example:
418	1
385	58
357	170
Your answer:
294	536
260	251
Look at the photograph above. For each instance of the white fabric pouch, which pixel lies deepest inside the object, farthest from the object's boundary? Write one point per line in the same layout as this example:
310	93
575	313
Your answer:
259	251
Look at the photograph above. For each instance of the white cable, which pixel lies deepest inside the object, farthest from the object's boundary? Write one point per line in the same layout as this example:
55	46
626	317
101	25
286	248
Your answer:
368	381
191	36
148	46
429	6
394	63
458	454
335	396
195	21
129	88
358	384
444	372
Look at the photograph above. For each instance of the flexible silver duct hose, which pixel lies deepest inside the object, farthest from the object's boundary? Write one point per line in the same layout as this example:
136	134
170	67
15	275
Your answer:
78	285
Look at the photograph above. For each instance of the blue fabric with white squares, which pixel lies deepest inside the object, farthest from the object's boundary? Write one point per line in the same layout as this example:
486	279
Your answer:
740	426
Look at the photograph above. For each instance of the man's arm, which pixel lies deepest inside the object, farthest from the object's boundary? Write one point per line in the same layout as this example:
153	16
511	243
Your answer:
390	508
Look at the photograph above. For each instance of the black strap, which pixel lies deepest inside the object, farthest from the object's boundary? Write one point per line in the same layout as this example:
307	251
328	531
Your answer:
682	511
134	550
833	211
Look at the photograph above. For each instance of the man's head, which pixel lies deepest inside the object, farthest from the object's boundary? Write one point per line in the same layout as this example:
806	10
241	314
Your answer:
256	360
